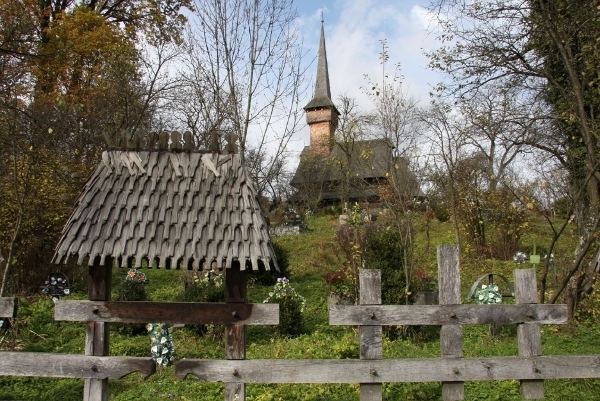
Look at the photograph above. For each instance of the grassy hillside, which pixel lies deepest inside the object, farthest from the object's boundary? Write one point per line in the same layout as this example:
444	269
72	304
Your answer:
310	256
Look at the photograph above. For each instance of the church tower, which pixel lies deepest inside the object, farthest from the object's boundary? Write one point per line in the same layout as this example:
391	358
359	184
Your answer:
321	113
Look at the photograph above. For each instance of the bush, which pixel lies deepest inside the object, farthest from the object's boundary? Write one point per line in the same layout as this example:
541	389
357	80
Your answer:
132	288
291	306
384	251
202	287
340	285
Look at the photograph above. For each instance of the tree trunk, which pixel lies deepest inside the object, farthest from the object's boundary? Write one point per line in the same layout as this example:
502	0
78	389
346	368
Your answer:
11	251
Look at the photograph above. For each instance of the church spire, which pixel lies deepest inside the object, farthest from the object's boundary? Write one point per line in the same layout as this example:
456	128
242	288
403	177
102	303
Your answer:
322	95
321	114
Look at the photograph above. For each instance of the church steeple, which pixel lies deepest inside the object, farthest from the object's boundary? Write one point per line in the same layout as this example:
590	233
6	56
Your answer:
321	113
322	95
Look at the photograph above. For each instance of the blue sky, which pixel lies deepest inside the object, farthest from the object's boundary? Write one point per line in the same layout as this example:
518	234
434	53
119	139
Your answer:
353	29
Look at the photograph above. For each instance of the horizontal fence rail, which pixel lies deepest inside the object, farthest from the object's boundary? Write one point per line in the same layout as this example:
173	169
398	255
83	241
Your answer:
391	370
8	307
167	312
437	315
41	364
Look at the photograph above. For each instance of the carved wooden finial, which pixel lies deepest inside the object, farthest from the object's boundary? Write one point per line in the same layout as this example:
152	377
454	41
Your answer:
176	141
163	141
188	141
231	140
214	144
152	141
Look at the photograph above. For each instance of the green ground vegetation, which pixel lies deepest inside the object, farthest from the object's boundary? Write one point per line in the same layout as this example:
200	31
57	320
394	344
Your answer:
311	255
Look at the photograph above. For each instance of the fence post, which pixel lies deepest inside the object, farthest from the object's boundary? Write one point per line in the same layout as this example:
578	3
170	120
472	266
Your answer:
451	335
235	334
528	334
371	337
96	333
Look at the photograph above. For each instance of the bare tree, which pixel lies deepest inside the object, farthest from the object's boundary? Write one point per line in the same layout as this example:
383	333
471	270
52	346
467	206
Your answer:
243	78
351	129
448	147
395	113
498	125
546	49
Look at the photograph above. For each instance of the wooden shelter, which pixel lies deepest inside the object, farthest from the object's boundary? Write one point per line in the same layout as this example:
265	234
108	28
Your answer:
175	207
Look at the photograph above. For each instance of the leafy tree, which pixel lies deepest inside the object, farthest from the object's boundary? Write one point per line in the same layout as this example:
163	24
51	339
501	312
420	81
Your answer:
70	80
548	50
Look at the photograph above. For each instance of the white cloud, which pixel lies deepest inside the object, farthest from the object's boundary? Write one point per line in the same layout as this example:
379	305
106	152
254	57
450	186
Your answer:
353	29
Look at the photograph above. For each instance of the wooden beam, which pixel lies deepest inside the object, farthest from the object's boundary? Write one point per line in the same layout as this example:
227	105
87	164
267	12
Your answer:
437	315
74	366
96	333
8	307
236	281
371	336
168	312
529	336
390	370
451	337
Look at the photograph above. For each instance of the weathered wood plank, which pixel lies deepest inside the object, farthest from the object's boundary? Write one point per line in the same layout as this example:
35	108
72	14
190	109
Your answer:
74	366
437	315
168	312
451	338
528	334
97	333
8	307
371	337
391	370
236	281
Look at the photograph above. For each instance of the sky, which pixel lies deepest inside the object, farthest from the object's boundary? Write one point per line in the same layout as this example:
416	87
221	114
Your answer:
353	30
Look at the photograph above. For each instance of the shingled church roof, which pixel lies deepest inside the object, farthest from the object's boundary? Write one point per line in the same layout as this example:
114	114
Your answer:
171	208
368	159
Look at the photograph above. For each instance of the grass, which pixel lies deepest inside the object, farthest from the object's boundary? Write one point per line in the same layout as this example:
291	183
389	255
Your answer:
310	256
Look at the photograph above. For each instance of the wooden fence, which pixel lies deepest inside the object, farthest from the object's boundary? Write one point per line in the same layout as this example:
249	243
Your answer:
96	368
451	369
370	371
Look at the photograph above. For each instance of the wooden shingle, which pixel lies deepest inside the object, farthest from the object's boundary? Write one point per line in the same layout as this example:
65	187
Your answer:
178	208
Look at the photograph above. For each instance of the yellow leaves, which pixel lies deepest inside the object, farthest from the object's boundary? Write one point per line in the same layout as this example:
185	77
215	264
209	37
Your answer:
81	50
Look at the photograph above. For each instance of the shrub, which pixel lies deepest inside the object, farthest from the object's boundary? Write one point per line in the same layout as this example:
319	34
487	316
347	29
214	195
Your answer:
340	285
291	306
133	286
384	251
202	287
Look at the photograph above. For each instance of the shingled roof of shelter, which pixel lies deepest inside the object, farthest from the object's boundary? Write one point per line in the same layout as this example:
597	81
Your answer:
368	159
180	209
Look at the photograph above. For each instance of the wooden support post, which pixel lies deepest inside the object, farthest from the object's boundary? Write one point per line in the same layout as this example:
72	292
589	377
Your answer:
451	336
528	334
371	337
96	335
235	334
